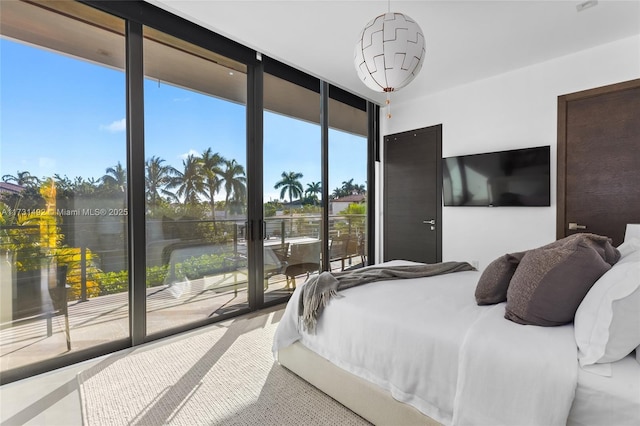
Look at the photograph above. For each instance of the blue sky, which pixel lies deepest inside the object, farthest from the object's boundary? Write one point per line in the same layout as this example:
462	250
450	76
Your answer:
66	116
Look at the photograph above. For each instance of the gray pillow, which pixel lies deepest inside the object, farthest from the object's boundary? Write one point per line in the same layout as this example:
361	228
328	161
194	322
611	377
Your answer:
494	281
551	281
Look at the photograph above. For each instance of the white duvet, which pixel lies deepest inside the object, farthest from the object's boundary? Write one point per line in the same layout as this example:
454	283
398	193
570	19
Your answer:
430	345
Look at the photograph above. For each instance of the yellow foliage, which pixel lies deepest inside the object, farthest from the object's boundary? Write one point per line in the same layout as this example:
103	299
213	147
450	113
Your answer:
72	257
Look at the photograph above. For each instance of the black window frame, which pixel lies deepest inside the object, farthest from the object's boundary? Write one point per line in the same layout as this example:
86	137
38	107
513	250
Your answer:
138	14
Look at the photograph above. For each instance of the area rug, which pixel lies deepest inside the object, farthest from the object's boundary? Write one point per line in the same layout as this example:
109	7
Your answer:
223	376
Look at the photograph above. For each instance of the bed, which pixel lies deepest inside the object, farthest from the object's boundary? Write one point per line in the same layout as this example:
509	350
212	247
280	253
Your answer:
422	351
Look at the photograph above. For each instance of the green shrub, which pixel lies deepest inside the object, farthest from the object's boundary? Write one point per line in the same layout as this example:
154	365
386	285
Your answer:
193	268
113	282
208	264
156	275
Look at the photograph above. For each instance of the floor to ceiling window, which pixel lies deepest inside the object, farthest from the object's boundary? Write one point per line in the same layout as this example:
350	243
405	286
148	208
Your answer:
136	204
347	185
293	202
196	182
63	240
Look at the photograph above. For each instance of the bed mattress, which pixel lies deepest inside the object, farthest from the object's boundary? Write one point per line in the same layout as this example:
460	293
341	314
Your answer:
428	344
608	400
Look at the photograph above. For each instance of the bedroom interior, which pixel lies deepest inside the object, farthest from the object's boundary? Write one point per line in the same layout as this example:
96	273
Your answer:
504	77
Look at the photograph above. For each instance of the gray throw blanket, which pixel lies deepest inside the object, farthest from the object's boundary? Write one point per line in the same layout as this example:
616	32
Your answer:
317	291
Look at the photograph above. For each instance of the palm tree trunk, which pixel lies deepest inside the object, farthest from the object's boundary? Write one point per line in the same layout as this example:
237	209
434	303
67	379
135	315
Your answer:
291	214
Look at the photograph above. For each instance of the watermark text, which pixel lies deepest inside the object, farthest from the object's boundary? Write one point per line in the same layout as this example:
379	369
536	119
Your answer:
67	212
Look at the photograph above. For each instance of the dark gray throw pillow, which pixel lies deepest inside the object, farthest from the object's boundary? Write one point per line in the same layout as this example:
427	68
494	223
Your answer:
551	281
494	281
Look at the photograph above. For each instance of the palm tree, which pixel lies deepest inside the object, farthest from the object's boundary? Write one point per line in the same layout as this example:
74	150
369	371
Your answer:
337	193
312	191
63	183
189	181
84	187
24	178
290	183
157	178
210	164
115	177
235	181
348	187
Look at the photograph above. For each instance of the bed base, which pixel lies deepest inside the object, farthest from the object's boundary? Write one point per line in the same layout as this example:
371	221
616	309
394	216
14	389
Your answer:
360	396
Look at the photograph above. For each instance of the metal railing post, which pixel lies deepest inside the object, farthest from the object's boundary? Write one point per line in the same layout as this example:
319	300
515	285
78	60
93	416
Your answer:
235	239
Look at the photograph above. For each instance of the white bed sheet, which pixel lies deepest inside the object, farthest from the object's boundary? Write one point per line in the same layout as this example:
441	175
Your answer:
421	350
613	400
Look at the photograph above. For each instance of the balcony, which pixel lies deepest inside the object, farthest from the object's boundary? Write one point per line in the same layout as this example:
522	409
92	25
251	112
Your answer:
188	279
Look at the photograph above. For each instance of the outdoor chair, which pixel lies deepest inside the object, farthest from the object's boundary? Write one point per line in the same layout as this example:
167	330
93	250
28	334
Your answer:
304	259
338	249
362	250
281	253
58	294
36	304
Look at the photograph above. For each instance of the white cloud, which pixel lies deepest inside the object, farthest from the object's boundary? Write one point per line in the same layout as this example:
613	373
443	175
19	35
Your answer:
116	126
188	153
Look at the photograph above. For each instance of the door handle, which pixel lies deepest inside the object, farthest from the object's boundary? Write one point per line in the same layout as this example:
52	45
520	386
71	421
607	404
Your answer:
574	226
429	222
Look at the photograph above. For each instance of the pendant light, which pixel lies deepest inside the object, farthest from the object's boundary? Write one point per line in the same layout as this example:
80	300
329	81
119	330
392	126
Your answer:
389	53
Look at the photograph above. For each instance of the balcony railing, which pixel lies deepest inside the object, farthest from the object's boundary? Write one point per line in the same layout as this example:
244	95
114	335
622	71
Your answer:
35	323
96	259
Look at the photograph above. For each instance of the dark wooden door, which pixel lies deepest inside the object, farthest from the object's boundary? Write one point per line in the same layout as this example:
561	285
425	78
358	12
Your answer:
599	160
412	195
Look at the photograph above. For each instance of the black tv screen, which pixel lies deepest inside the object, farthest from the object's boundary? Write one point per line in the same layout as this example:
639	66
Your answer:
519	177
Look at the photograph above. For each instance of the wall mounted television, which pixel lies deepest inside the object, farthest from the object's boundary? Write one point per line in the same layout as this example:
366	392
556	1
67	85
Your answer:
518	177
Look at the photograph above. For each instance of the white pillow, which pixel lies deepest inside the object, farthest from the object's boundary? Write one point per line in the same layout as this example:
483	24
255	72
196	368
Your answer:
607	322
629	246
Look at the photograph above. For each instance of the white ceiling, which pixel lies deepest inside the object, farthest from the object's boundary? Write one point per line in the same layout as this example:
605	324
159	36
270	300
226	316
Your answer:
465	40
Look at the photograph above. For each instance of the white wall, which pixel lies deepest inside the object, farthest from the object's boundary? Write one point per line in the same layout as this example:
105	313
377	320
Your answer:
513	110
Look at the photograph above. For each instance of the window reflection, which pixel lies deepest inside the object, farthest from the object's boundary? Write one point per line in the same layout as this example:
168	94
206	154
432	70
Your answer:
348	190
63	258
292	185
196	182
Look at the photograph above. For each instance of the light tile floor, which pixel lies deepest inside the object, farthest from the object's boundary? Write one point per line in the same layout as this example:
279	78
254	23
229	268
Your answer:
104	319
52	398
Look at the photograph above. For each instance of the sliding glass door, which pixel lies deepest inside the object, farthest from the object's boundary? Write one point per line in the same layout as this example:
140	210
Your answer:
157	177
292	185
63	210
348	201
196	182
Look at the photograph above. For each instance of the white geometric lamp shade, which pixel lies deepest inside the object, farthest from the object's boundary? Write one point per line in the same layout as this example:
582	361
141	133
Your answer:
389	52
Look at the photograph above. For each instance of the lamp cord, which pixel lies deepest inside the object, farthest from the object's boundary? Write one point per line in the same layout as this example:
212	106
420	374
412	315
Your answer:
388	102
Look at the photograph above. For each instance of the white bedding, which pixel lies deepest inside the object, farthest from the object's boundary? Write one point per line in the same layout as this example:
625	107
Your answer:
608	400
455	361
